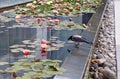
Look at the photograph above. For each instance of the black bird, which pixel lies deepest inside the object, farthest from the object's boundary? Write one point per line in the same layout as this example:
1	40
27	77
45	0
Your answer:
79	39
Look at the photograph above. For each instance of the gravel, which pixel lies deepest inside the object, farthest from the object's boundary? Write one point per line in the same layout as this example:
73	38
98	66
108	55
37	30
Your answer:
103	63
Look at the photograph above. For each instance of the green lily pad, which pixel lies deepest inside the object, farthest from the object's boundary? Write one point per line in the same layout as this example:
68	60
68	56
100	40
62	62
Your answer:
15	50
37	68
21	46
61	69
45	75
17	63
47	60
31	46
18	78
26	64
3	63
49	72
14	69
18	49
26	41
27	76
14	46
57	61
32	75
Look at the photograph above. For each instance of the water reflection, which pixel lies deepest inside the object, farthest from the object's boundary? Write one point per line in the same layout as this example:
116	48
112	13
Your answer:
14	38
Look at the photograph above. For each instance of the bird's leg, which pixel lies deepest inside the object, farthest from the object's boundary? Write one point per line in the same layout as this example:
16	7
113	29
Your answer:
77	44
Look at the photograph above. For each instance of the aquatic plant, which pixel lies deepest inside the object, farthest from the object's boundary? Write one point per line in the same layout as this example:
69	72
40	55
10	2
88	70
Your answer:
34	69
58	7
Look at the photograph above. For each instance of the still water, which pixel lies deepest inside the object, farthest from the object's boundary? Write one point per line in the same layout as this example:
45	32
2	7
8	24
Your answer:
13	40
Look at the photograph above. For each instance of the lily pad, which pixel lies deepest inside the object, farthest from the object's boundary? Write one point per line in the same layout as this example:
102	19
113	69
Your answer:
58	61
14	69
32	51
20	49
17	63
49	72
45	75
22	46
52	49
18	78
26	41
14	50
61	69
14	46
3	63
31	46
54	37
28	75
37	68
58	45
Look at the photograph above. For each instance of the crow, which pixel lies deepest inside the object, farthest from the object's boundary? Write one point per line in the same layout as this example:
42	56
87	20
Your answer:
79	39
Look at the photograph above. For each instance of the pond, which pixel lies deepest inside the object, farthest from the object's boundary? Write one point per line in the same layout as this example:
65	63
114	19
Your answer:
14	39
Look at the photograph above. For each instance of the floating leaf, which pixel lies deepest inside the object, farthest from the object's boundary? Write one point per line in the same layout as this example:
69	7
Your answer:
33	75
14	69
3	72
54	37
17	63
52	48
58	45
45	75
3	63
31	46
20	49
14	46
22	46
47	60
18	78
38	67
15	50
49	72
25	64
61	69
26	41
57	61
27	76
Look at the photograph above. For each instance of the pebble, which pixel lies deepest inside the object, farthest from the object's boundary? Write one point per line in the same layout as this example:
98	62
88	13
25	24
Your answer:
103	63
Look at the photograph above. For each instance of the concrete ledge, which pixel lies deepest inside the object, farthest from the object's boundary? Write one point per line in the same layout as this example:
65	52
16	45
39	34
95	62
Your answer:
74	65
8	3
117	35
76	62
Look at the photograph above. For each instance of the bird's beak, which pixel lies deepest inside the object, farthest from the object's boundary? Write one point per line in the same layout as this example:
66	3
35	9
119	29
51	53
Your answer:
69	38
